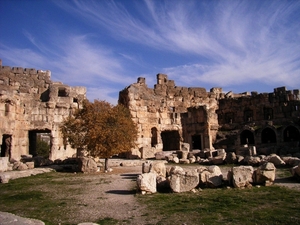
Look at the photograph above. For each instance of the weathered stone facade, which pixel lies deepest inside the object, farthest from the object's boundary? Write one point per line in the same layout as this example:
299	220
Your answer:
31	103
168	116
269	121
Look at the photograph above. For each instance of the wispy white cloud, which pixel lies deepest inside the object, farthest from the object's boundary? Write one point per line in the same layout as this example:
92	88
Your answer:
220	43
79	63
242	40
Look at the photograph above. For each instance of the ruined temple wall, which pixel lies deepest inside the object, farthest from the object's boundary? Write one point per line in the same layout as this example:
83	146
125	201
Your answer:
30	101
279	106
162	107
265	115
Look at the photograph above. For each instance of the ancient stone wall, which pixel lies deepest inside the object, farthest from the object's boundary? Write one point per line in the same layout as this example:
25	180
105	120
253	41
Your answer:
31	103
162	113
168	115
270	121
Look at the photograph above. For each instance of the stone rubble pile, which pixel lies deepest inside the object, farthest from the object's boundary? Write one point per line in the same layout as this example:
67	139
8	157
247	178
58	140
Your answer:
29	165
156	177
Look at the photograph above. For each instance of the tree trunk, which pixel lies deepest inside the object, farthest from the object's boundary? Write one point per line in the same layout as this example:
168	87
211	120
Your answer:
106	164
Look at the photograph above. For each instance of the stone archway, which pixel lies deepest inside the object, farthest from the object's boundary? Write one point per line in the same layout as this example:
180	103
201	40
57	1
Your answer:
291	134
247	137
268	136
171	140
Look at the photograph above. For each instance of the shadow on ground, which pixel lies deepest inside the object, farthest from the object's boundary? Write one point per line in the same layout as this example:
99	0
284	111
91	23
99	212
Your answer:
121	192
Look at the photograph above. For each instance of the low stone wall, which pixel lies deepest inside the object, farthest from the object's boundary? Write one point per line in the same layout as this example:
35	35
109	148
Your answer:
3	164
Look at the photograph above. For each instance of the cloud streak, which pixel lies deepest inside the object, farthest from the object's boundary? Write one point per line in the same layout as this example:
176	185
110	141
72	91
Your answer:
241	40
210	43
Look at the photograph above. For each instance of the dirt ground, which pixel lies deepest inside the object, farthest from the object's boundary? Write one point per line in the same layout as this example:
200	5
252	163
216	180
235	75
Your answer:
113	195
117	194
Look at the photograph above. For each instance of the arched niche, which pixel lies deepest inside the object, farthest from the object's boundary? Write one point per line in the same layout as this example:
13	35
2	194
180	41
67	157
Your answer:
247	137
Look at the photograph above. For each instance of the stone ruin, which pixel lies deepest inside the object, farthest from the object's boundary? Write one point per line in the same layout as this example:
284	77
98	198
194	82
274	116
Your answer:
157	177
169	116
30	104
170	119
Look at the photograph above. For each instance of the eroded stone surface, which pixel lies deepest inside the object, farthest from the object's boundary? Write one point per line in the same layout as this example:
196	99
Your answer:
31	103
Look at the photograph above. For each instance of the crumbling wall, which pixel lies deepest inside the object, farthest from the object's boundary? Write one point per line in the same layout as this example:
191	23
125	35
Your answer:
268	122
272	120
162	111
31	102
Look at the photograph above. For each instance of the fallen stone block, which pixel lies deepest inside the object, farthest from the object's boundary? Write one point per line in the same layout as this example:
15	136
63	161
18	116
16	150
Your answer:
146	183
183	181
265	174
241	176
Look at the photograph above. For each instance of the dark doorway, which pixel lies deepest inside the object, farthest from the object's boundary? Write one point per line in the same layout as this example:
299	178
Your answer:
39	142
153	136
171	140
247	137
291	134
196	141
6	146
268	136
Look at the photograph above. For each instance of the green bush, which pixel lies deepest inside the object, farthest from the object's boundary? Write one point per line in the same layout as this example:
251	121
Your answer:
42	147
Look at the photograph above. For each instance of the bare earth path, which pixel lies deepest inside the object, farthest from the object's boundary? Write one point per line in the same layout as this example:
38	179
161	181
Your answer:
113	195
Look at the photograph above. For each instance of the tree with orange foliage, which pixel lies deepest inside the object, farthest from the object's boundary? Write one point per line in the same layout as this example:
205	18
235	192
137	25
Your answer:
102	129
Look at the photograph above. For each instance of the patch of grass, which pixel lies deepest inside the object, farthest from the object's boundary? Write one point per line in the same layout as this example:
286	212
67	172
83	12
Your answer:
107	221
265	205
283	172
51	197
40	196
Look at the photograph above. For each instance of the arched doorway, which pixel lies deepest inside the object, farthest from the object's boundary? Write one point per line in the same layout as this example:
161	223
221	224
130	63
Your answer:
171	140
247	137
268	136
291	134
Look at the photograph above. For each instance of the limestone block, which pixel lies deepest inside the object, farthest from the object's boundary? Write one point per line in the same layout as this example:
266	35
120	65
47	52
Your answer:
87	165
184	154
146	167
211	176
265	174
4	178
3	164
185	147
291	161
184	161
30	165
252	160
146	182
147	153
183	181
176	160
218	160
162	154
242	176
296	171
159	168
275	159
192	159
20	166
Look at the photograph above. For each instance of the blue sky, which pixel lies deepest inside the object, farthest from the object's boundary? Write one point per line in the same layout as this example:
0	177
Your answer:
106	45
